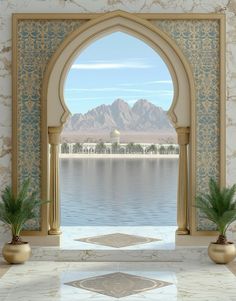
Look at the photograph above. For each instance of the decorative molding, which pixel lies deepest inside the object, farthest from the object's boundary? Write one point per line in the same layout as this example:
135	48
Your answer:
72	22
54	213
183	187
53	85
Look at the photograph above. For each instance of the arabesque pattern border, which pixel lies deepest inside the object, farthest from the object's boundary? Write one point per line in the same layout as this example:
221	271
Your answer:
37	40
200	42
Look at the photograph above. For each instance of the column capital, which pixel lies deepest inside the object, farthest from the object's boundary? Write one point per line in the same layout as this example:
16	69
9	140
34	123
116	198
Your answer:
183	135
54	135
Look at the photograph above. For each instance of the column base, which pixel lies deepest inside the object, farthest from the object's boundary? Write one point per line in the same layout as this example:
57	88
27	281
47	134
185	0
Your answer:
182	232
54	232
43	241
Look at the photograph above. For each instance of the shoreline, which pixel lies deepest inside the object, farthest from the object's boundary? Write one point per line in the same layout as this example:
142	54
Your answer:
118	156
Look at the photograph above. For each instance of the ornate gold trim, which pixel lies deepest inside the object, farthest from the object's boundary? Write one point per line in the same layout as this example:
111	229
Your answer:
44	194
54	213
183	187
14	105
95	22
171	111
89	16
44	136
193	225
126	16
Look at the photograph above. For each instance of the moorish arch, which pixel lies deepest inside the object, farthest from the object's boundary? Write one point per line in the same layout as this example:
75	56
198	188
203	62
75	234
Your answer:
180	113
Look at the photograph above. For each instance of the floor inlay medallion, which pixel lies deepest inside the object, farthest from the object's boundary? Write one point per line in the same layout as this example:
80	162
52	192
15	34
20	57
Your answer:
118	240
118	284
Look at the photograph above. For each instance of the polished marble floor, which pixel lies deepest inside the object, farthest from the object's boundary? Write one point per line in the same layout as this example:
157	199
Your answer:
157	238
112	244
54	281
4	267
118	240
66	273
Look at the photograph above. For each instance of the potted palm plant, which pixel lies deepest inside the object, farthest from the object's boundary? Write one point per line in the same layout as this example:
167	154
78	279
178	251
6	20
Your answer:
15	211
219	206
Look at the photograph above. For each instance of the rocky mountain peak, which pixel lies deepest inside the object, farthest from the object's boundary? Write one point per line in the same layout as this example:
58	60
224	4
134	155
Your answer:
143	116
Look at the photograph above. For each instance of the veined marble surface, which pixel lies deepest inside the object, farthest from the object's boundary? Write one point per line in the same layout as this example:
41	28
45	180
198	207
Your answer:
165	234
155	251
7	7
46	281
73	250
4	267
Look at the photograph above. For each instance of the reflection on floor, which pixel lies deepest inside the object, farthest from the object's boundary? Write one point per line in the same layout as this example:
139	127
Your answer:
54	281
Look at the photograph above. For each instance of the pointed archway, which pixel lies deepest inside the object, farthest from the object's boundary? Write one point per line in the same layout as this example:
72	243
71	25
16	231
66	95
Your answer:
180	113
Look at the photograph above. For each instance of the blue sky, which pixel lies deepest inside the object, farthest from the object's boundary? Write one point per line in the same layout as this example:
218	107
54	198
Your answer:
117	66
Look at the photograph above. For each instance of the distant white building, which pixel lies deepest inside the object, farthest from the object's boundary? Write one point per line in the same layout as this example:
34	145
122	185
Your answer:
90	148
115	136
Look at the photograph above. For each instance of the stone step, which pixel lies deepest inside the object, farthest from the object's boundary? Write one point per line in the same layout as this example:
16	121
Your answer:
176	255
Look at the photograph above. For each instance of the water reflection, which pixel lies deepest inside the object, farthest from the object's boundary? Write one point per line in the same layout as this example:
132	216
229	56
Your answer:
118	192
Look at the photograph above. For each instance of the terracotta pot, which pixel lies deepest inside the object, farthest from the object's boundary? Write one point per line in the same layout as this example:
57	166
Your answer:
222	253
16	253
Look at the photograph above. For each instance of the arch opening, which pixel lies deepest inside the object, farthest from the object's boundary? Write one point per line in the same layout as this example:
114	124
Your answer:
118	91
179	112
111	55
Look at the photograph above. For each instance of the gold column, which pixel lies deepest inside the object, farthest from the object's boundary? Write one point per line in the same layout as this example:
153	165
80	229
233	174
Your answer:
182	197
54	213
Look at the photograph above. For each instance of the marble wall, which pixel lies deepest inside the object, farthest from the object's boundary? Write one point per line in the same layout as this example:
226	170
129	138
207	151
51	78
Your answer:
72	6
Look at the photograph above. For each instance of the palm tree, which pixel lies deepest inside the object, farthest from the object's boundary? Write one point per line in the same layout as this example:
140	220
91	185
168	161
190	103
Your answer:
177	150
162	150
130	148
138	149
65	148
121	150
219	206
152	149
100	148
77	148
16	211
170	149
115	148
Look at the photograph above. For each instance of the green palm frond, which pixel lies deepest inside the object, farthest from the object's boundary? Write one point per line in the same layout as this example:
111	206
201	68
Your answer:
16	211
219	205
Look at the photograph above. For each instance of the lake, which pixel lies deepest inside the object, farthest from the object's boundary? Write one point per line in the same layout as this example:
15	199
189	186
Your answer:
118	192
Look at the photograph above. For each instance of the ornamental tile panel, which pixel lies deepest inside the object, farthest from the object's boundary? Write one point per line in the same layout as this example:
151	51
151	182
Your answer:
37	41
199	41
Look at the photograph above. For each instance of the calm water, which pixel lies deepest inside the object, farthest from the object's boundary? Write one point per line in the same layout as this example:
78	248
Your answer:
118	192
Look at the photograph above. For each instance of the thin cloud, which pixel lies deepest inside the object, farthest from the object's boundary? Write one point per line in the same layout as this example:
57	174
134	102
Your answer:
92	89
110	65
124	97
87	98
147	83
119	90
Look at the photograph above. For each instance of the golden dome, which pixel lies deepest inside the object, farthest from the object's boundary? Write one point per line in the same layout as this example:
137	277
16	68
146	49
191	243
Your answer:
115	133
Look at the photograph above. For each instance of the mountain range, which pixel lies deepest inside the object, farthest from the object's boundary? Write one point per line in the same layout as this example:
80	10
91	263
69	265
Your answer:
143	116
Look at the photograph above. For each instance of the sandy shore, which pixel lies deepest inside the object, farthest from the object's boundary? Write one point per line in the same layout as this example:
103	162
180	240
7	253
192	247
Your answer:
118	156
